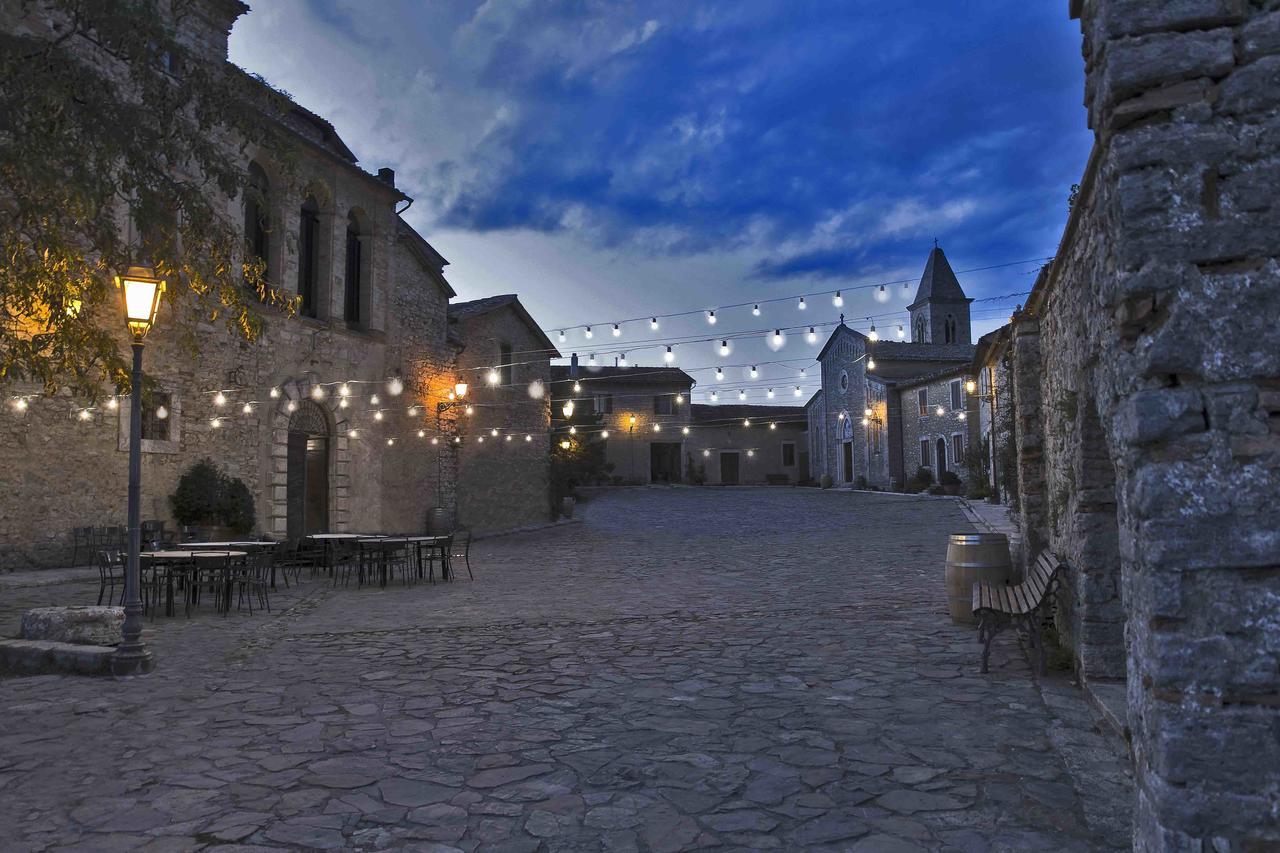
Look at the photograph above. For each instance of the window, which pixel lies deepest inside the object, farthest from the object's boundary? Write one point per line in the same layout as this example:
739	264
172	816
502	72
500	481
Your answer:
256	200
924	453
157	410
354	285
309	258
957	448
844	380
788	454
506	367
922	397
604	404
957	395
917	330
949	329
663	404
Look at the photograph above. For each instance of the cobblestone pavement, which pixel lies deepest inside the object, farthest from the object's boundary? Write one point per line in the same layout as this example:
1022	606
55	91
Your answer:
738	668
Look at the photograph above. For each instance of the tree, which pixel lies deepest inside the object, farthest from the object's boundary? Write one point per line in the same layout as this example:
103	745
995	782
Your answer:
118	146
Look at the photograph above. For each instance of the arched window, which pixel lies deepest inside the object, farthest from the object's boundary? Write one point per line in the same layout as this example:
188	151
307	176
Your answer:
917	331
257	205
309	258
949	329
353	310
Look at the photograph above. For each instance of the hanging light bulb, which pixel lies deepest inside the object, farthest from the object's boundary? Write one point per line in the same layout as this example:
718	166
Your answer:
746	422
587	332
562	336
344	390
591	360
457	439
866	413
573	430
960	415
275	393
248	409
657	427
162	412
291	406
20	404
616	330
507	438
711	317
719	374
113	404
679	399
838	300
940	411
469	410
494	376
840	416
353	433
797	391
750	454
390	441
715	398
777	337
479	439
755	310
873	335
622	361
604	433
342	403
754	373
653	323
871	364
374	400
882	295
577	387
435	439
395	386
813	335
528	438
724	348
494	432
802	373
902	333
84	415
377	416
742	395
773	426
317	392
567	408
706	453
219	399
866	421
684	430
413	411
422	433
668	356
801	306
769	394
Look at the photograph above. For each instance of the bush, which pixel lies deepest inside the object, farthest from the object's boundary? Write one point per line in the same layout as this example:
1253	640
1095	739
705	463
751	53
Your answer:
924	476
949	478
237	505
937	490
860	482
208	497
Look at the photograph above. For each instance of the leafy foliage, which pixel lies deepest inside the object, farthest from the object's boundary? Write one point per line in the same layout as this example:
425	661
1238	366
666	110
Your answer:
118	146
207	496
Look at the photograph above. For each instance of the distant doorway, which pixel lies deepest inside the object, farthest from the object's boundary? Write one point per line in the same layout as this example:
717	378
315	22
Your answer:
942	456
729	469
307	488
846	468
664	462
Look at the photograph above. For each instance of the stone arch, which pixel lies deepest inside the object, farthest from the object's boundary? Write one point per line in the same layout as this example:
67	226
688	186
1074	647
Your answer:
297	412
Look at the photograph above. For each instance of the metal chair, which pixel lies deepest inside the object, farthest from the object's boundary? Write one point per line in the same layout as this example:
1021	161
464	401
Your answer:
460	549
81	537
110	570
251	577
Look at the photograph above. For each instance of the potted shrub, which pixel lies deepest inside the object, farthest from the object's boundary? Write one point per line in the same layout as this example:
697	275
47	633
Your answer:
950	482
237	506
210	505
825	481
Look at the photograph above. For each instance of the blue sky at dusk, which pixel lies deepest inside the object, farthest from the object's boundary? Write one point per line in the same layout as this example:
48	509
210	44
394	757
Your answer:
612	160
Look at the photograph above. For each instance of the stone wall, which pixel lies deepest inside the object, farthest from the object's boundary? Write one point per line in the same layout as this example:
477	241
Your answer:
934	426
1149	353
504	481
759	449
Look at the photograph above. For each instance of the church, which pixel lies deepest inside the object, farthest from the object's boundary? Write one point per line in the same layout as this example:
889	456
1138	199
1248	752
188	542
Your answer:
886	408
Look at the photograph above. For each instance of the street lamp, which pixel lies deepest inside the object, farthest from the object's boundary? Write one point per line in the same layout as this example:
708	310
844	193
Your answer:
457	399
140	289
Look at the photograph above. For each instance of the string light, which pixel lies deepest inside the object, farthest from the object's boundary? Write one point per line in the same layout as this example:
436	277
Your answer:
773	426
353	433
162	412
377	416
215	422
711	318
668	356
562	336
494	377
591	360
622	361
395	387
801	306
873	335
344	390
479	439
684	430
469	410
20	404
573	430
390	441
742	395
653	323
902	333
866	421
587	333
750	453
706	453
374	400
413	411
871	364
248	409
422	433
604	433
219	399
657	427
882	295
508	438
837	300
940	411
493	432
435	440
528	438
715	398
961	415
770	394
291	406
754	373
777	337
719	374
275	392
797	391
317	392
342	403
567	408
577	387
113	404
457	439
617	330
746	422
840	416
565	445
84	414
724	348
755	310
866	413
813	335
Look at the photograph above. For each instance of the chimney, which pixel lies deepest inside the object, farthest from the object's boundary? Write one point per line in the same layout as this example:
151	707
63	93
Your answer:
573	366
387	176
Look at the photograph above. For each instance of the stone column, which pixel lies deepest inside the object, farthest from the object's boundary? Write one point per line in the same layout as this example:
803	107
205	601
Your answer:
1029	438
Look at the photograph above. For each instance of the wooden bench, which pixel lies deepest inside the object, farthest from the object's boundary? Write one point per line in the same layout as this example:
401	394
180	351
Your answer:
998	606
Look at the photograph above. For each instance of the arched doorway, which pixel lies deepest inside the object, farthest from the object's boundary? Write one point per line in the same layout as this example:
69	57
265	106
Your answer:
942	456
308	471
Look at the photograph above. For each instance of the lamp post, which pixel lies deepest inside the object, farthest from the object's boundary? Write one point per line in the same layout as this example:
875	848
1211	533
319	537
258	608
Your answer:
140	289
457	398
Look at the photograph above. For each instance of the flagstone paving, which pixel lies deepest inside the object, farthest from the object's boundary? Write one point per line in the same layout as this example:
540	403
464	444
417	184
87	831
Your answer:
686	669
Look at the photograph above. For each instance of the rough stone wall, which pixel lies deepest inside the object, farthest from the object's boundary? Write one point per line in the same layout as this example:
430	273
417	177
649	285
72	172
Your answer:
934	426
759	450
504	483
1168	279
845	357
627	448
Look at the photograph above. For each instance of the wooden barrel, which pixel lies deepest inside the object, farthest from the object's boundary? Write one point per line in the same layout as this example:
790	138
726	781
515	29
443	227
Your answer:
974	557
438	522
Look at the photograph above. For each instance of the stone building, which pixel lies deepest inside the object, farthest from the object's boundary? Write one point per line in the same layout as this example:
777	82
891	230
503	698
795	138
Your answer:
888	408
994	396
504	463
330	417
733	445
1145	376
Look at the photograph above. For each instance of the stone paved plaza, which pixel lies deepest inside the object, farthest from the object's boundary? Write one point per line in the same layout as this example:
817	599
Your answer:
686	668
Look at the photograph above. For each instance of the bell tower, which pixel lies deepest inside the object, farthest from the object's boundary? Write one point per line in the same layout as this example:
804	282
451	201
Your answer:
940	311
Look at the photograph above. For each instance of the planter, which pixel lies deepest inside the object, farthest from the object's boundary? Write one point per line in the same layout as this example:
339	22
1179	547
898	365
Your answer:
438	522
825	481
566	506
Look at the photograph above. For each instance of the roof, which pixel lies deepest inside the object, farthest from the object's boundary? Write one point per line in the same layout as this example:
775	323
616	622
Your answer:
836	332
703	413
461	311
939	282
425	253
636	375
926	378
990	346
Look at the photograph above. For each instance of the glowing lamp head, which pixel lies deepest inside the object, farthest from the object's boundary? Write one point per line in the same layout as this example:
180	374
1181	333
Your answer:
970	386
838	300
631	420
565	445
141	289
711	317
377	416
567	408
668	356
840	416
873	335
617	330
866	413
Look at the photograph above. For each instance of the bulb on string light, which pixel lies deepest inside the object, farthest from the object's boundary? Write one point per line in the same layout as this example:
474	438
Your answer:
457	439
960	415
342	403
566	444
871	364
377	416
573	430
840	416
494	377
755	310
353	433
374	400
219	399
653	323
536	390
750	453
622	360
719	374
837	300
902	333
940	411
291	406
587	333
577	387
882	295
344	390
604	433
797	391
724	348
746	422
866	413
591	360
20	404
706	453
470	410
395	386
742	395
562	336
275	393
435	440
528	438
813	335
684	430
711	317
422	433
413	411
84	415
773	426
657	427
317	392
777	339
715	398
754	373
390	441
617	330
479	439
248	409
668	356
567	408
493	432
802	373
508	438
113	404
769	394
866	421
873	335
801	306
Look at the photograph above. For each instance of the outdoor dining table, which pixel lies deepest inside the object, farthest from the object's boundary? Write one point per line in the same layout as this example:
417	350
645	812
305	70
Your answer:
431	543
375	553
183	556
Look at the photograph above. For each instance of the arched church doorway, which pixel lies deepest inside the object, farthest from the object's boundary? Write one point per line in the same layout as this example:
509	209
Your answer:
942	456
308	471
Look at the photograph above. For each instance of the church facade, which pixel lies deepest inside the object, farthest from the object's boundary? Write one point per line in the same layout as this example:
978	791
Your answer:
888	409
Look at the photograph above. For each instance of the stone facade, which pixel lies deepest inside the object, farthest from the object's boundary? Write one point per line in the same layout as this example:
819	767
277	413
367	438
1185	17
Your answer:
1146	379
935	410
243	404
765	442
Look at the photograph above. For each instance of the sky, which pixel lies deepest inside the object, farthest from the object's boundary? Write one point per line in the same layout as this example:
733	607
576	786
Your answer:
617	160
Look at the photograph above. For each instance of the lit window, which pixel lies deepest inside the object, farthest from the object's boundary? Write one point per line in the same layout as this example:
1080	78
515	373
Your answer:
922	397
